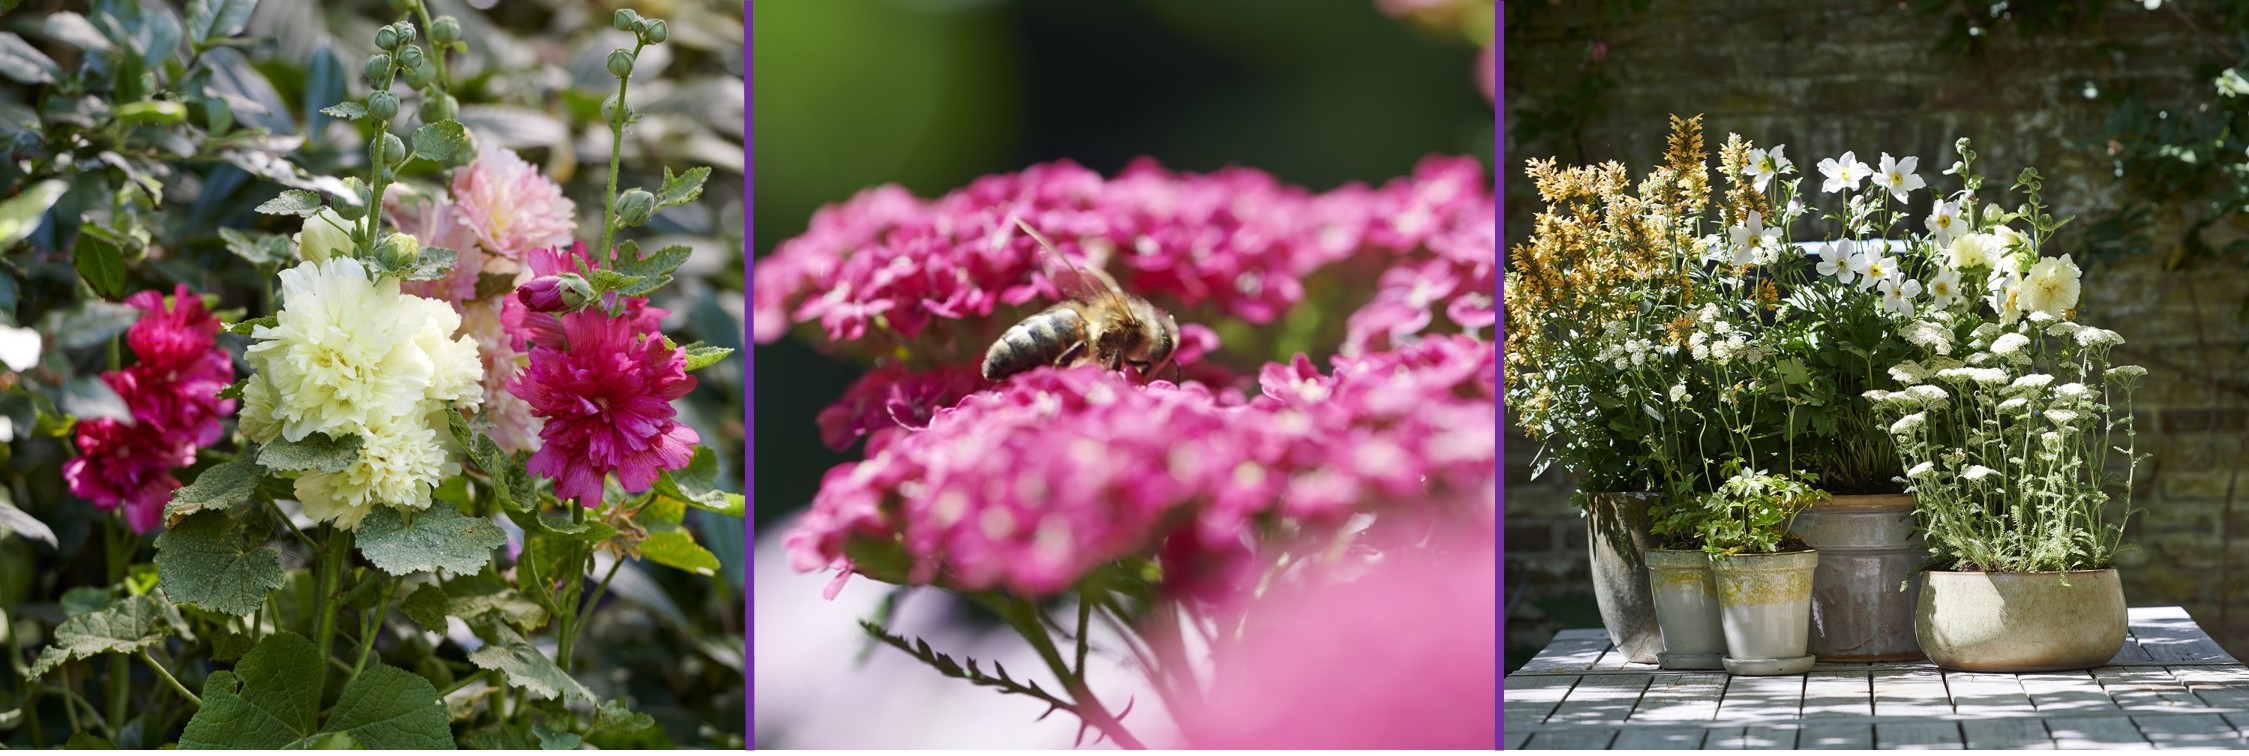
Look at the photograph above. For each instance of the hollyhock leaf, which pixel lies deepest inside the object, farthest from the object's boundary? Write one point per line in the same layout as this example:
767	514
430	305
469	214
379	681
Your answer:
209	20
605	281
23	524
318	451
490	285
560	526
24	63
553	740
259	249
121	628
346	110
681	189
439	539
435	263
615	716
676	548
88	324
246	327
212	561
701	355
663	262
441	142
697	484
223	486
297	202
426	607
271	699
387	708
101	263
528	668
484	594
74	30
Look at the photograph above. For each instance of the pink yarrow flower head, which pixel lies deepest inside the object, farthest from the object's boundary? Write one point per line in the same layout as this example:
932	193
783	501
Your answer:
510	206
603	391
172	392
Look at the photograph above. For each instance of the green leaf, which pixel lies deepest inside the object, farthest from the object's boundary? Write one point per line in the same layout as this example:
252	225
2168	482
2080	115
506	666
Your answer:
681	189
494	284
20	215
527	668
100	262
435	263
220	487
697	484
426	608
661	262
560	526
86	741
271	700
21	523
212	20
297	202
676	548
123	628
212	561
615	716
248	327
485	593
439	539
152	111
318	451
701	355
261	250
554	740
440	142
87	397
88	324
24	63
346	110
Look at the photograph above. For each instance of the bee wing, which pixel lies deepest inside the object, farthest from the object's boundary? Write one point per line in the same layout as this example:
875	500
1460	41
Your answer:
1075	282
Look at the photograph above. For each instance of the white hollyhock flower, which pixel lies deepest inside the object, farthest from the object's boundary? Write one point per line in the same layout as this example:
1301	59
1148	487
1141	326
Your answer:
1944	289
1898	177
323	236
1972	251
1763	166
1843	173
2009	239
1898	293
1944	222
2052	286
398	465
349	351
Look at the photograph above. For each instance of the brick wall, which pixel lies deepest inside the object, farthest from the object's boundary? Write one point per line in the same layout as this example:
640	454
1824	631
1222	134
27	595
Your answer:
1823	76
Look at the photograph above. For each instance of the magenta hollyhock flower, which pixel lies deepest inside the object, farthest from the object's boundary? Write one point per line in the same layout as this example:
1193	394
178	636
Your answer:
604	392
172	392
530	326
512	208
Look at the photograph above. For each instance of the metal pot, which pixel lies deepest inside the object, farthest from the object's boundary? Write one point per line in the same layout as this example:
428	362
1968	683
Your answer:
1869	547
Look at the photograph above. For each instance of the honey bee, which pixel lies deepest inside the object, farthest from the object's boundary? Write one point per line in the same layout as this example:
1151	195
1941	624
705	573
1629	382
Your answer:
1097	324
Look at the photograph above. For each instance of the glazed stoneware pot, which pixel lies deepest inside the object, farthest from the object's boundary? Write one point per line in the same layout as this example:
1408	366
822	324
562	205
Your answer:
1765	605
1617	533
1686	603
2021	621
1869	546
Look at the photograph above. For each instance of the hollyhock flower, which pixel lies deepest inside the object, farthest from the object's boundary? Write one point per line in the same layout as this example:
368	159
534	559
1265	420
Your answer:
511	208
513	427
172	392
438	223
400	461
605	391
326	234
350	351
1898	177
542	294
121	464
528	326
1973	251
2052	286
1843	174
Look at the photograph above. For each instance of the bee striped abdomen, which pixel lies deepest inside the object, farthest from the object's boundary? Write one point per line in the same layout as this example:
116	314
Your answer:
1041	339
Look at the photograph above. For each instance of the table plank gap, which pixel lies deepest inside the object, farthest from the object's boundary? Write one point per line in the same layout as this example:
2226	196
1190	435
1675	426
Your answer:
1600	700
1530	700
2104	732
1681	697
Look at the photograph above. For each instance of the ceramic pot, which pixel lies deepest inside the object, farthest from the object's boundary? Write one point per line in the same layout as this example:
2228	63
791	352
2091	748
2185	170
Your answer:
1617	534
1765	606
1869	547
2020	621
1686	604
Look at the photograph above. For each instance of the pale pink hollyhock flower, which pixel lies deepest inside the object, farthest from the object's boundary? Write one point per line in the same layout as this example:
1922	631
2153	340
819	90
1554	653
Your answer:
511	207
513	425
438	223
1400	657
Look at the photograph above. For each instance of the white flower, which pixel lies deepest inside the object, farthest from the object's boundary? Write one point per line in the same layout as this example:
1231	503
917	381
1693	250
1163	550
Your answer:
1843	173
1908	423
2051	438
2051	287
1722	328
2009	344
1928	394
399	463
1909	372
1988	376
2009	239
2061	417
1978	472
2125	373
2231	84
19	348
1836	259
1678	391
1897	295
2015	406
1897	176
2075	392
2064	329
1875	264
2030	384
1763	166
2006	295
1929	336
1944	221
1971	251
1752	237
1944	290
326	234
2099	337
350	352
1921	470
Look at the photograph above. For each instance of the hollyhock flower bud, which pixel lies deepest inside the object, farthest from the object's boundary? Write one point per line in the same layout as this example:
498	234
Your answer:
326	234
378	71
445	30
635	206
399	251
625	19
418	73
441	108
383	105
386	38
620	63
656	31
555	293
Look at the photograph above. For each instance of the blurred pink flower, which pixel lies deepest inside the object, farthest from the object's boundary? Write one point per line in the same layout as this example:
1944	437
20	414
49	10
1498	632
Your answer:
514	427
510	206
894	397
604	390
438	223
1404	658
172	392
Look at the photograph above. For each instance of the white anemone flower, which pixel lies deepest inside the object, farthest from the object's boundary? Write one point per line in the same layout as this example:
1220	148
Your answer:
1898	293
1844	173
1763	165
1876	265
1836	258
1944	289
1898	176
1944	222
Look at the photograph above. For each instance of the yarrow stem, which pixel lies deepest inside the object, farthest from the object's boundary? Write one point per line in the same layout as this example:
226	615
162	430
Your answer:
1027	620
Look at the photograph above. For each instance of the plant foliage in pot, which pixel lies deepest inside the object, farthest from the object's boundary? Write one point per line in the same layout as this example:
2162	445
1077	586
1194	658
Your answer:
1762	574
2005	427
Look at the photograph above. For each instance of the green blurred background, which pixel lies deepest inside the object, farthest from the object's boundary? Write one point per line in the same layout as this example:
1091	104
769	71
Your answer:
930	94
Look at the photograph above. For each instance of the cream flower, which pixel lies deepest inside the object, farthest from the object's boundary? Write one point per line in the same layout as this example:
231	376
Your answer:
2052	286
324	235
2006	295
349	352
398	465
1971	251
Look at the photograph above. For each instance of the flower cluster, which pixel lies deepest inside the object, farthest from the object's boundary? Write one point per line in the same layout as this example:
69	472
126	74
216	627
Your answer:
885	267
1034	483
173	395
352	355
604	387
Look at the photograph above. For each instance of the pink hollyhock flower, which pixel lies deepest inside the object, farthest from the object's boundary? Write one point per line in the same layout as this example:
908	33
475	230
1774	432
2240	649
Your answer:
604	391
514	427
1406	659
439	223
511	208
172	392
528	326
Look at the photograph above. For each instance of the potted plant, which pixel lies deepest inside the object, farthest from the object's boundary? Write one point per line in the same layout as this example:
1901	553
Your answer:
1761	574
2004	426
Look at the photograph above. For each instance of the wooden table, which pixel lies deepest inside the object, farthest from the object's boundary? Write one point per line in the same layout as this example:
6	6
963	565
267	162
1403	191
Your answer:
2170	687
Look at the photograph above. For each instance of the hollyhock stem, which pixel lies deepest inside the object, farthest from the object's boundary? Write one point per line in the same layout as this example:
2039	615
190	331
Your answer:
332	555
175	682
120	668
1024	616
616	163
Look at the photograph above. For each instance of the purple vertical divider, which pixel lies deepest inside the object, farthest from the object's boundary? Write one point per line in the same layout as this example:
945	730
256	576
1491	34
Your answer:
749	375
1499	339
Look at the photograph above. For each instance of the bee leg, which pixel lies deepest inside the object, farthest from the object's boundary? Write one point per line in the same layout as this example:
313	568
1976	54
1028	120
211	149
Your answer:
1063	360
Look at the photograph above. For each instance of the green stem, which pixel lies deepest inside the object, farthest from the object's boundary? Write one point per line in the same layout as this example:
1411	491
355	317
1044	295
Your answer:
374	625
616	163
463	683
593	602
1025	617
175	682
114	537
436	54
333	560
